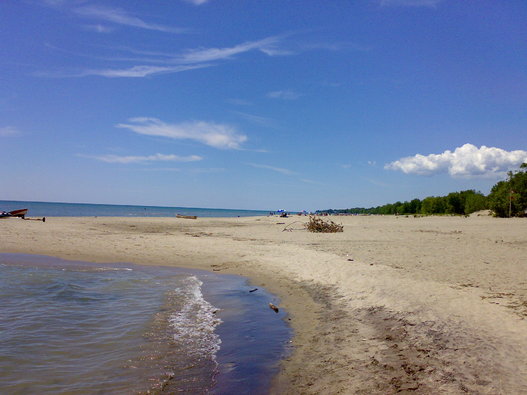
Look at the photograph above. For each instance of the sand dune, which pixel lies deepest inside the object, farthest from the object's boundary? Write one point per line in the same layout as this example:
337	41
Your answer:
392	304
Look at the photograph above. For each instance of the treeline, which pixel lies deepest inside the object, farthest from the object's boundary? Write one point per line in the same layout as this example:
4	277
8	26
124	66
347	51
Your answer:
507	198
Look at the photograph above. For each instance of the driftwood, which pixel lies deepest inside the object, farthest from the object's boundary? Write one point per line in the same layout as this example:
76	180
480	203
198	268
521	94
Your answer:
43	219
186	216
287	228
319	225
273	307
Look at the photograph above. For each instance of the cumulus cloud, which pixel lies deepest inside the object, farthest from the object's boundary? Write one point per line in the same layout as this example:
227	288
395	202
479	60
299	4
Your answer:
142	159
8	131
465	161
209	133
284	95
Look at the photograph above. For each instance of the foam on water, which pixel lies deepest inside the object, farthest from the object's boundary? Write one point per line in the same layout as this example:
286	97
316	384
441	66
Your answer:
195	322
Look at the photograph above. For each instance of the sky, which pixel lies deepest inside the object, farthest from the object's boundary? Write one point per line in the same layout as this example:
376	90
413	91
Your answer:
296	105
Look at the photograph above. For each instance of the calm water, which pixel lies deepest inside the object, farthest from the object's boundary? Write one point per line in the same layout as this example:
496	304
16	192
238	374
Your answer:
77	328
45	209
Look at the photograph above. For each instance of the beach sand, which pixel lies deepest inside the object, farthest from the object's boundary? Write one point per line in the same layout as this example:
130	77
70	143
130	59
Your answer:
391	305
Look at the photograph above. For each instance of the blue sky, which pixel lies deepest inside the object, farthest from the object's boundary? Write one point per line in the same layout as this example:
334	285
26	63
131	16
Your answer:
259	104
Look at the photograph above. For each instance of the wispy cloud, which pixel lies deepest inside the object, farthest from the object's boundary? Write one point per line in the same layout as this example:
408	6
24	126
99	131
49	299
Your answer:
284	95
410	3
203	55
165	63
211	54
8	131
274	51
280	170
197	2
257	119
98	28
144	63
140	71
212	134
466	161
195	170
121	17
143	159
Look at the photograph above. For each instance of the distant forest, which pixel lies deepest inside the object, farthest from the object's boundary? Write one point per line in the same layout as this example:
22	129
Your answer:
506	198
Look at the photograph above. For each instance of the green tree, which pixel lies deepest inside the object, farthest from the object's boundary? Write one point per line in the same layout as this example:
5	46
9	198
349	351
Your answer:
415	206
475	201
455	203
433	205
509	198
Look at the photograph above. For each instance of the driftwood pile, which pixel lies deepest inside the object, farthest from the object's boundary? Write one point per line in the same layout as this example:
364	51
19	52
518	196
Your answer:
319	225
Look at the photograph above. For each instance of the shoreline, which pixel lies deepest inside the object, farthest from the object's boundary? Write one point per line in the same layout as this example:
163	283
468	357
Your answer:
392	304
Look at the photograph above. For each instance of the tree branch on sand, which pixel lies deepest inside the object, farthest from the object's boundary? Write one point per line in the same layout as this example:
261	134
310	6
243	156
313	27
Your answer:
318	225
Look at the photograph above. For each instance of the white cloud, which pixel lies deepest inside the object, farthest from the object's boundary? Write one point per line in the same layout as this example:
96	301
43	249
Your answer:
165	63
287	172
121	17
209	133
284	95
172	63
466	161
141	71
142	159
8	131
273	51
410	3
211	54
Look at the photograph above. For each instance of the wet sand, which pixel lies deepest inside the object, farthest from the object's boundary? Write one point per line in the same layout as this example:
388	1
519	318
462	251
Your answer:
391	305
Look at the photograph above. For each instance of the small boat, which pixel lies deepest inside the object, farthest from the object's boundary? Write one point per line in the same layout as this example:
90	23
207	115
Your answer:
21	213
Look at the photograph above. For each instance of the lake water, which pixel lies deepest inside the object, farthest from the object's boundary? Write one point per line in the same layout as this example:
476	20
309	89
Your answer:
77	328
49	209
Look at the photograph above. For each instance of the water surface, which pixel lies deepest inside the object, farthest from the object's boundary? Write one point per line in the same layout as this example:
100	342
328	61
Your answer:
75	327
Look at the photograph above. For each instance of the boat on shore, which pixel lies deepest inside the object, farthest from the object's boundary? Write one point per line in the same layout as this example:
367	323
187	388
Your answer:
21	213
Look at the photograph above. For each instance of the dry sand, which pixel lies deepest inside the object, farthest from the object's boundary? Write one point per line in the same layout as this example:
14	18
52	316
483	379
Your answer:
392	304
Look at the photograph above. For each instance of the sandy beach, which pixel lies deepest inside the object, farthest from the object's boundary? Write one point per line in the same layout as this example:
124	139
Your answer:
391	305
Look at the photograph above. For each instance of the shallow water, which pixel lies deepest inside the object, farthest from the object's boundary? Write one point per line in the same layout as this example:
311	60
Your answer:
70	327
